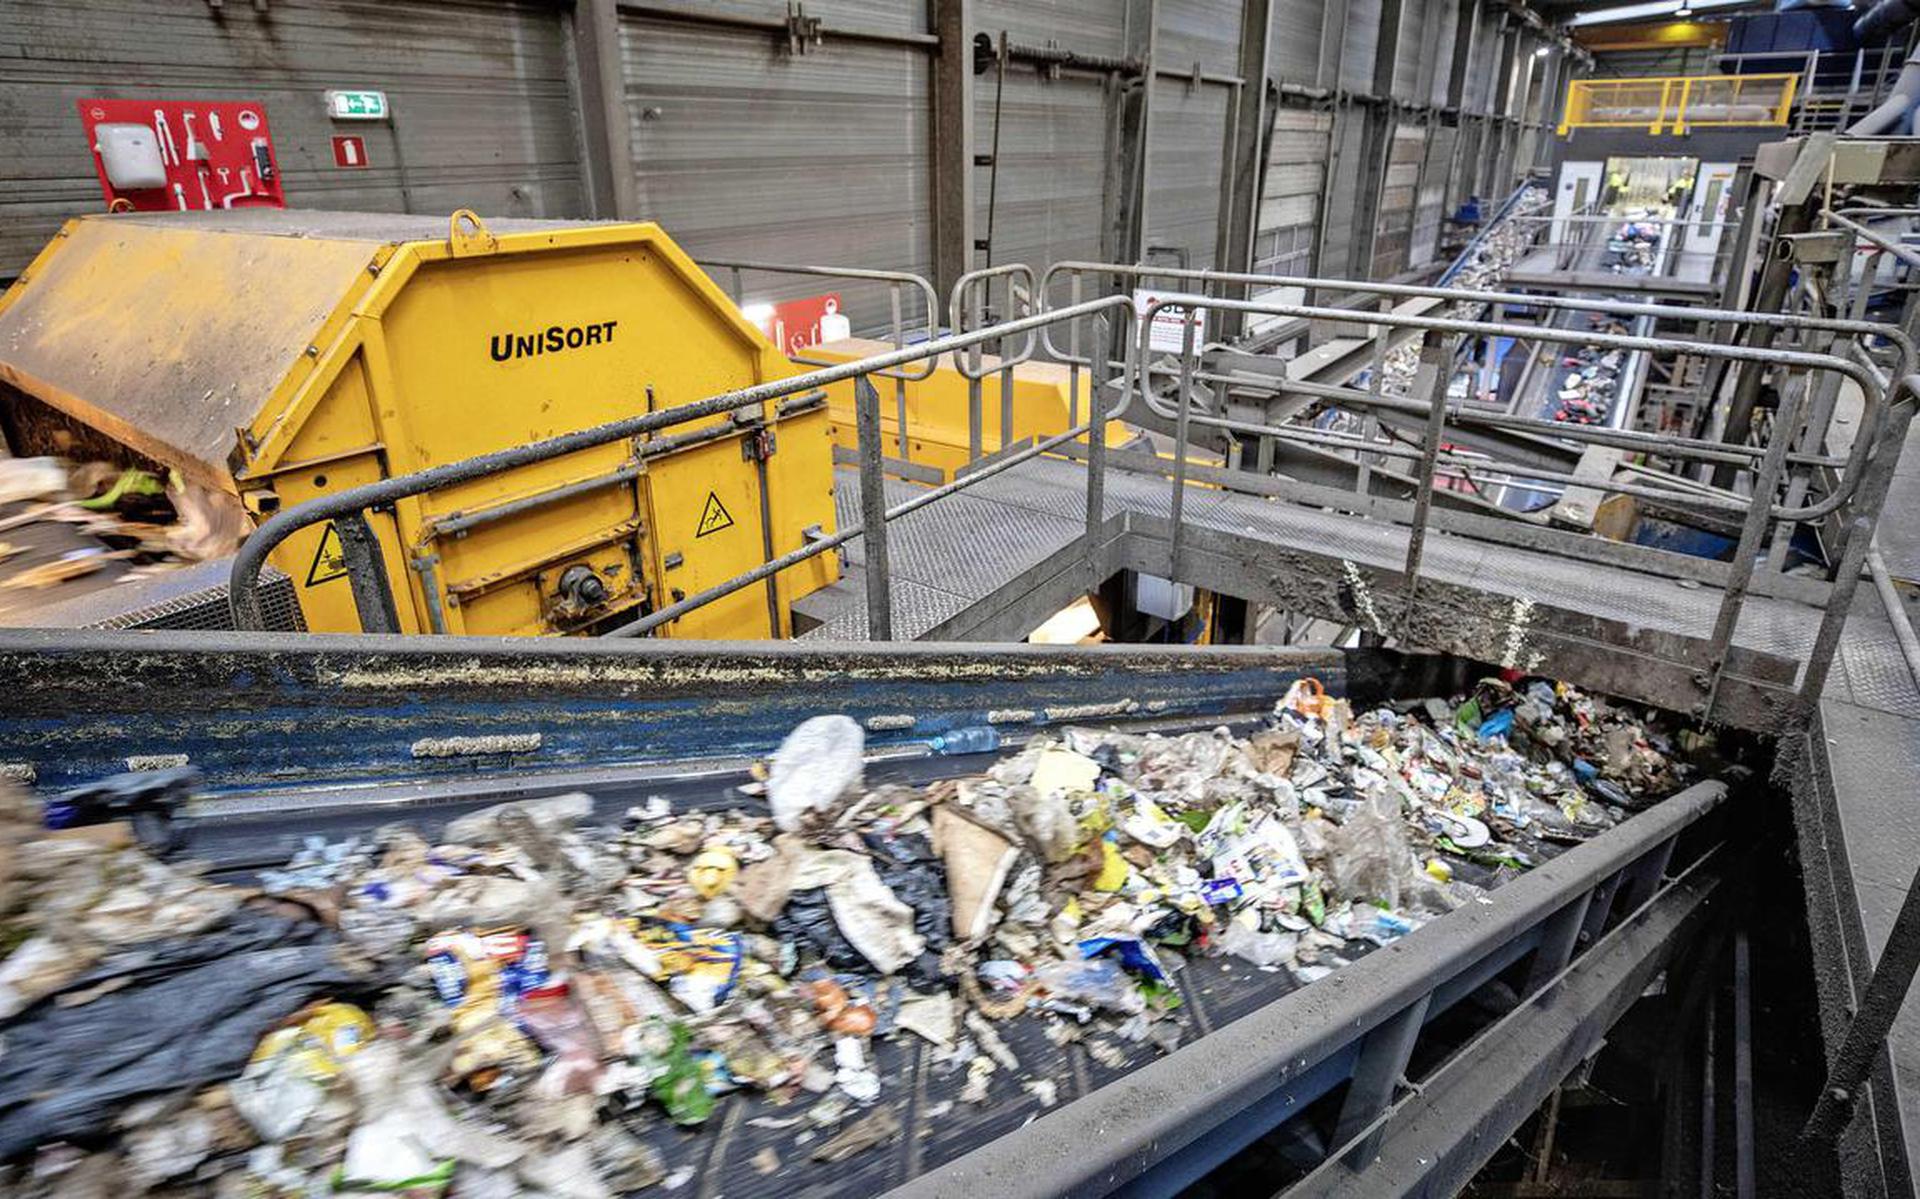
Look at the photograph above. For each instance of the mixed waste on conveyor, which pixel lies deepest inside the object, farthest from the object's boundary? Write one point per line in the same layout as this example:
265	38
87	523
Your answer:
521	1004
1590	385
66	522
1488	262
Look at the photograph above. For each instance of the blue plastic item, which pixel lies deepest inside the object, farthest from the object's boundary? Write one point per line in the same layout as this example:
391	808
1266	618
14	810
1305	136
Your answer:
1497	725
1134	954
976	739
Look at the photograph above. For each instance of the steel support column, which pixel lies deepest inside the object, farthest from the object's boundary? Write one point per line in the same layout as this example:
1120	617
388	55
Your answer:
1377	153
1243	158
952	136
1129	117
606	126
1436	1139
1499	124
1553	90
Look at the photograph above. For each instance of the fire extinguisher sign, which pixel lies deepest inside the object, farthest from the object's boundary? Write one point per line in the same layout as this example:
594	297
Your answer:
350	153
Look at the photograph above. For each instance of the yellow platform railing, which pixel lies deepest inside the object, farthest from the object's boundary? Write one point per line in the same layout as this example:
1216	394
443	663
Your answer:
1677	103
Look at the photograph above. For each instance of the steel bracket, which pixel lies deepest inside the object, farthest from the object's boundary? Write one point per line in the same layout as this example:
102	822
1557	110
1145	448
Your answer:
803	31
758	445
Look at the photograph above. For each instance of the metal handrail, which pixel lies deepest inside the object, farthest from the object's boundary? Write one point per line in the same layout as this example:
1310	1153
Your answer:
1909	353
367	572
975	288
896	279
963	290
1869	384
1135	374
1760	511
1676	97
1844	218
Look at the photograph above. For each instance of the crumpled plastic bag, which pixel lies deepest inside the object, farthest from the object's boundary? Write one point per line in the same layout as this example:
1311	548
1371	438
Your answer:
814	769
911	869
1262	949
1101	982
1368	856
1045	821
1370	859
188	1011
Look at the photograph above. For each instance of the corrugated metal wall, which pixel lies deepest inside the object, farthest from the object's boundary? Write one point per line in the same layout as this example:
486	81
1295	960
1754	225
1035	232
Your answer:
484	114
1432	202
1412	47
1290	198
1395	223
743	150
1296	42
1053	136
1188	128
1481	89
1339	245
1362	38
1443	21
1183	162
1202	31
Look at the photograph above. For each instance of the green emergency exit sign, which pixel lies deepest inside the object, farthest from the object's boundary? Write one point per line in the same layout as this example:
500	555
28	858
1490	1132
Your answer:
357	106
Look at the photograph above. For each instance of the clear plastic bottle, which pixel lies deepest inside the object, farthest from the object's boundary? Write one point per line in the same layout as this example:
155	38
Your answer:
975	739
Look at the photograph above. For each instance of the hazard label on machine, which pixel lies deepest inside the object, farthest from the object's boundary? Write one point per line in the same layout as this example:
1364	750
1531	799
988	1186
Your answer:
329	559
713	518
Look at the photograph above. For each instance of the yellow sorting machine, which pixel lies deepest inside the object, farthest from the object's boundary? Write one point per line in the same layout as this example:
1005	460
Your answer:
281	356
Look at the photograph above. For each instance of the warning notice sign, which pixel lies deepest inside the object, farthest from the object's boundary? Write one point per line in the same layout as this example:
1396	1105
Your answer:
713	518
329	559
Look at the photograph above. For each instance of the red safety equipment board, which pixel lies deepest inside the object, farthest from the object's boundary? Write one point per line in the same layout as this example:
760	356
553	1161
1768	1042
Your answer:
182	155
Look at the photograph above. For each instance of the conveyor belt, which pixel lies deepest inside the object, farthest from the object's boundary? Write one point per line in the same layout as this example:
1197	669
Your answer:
265	714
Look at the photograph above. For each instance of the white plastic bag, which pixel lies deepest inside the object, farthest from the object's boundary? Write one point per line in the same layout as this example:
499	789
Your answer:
814	769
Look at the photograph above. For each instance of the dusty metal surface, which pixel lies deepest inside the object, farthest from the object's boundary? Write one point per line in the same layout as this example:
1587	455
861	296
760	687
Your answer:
65	337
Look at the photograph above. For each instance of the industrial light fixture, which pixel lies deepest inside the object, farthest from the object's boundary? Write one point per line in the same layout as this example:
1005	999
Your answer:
1683	12
1542	51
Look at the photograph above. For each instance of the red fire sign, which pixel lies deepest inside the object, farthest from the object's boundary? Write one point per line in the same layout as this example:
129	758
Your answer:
350	152
796	324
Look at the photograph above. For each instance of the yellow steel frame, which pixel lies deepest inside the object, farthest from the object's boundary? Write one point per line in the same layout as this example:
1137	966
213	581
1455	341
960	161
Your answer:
1676	103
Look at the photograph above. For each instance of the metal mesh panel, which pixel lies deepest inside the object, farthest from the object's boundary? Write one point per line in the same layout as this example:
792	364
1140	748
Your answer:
193	598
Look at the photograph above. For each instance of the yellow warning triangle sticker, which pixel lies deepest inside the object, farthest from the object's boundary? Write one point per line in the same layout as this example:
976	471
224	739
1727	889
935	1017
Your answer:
329	559
714	517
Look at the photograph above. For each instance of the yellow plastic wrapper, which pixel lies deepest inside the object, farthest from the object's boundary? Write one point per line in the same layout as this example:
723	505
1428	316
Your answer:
317	1046
1113	869
701	964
